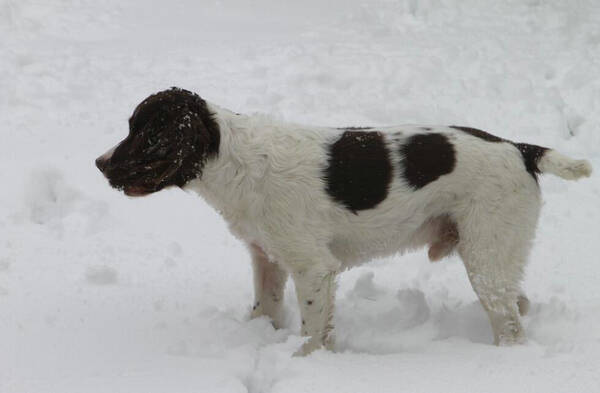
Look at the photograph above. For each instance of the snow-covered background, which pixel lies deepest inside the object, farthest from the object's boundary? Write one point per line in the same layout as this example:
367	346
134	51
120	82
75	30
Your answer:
101	293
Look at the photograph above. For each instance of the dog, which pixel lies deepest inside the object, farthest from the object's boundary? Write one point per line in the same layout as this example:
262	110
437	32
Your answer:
311	202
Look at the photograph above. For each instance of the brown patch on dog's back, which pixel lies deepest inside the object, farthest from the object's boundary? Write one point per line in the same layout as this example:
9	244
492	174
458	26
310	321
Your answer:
359	170
354	128
531	154
479	134
426	157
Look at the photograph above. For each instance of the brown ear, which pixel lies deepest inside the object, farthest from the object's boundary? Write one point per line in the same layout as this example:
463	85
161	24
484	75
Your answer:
197	139
181	134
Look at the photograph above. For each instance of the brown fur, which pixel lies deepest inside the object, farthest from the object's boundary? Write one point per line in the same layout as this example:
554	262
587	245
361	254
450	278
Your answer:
171	135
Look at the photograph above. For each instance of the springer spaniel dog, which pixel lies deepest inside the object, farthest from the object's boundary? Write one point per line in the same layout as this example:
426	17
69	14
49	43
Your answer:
312	201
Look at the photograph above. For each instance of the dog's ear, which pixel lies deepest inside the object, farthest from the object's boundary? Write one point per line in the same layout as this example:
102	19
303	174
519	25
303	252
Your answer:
193	137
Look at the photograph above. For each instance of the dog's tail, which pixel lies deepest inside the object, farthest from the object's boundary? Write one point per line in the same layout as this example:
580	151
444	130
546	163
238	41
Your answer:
543	160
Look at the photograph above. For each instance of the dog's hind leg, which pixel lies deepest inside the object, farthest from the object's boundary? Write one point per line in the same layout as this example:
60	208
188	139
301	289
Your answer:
494	245
269	285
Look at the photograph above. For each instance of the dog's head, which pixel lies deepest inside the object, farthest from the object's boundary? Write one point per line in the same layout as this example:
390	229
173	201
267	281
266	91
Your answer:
171	135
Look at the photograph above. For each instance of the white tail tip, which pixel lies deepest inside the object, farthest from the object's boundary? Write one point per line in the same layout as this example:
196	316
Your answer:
563	166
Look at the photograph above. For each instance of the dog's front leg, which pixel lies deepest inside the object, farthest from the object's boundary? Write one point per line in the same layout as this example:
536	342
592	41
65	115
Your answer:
315	288
269	284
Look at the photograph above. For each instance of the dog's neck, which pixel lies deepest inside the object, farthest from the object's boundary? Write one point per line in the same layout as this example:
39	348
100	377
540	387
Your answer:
229	180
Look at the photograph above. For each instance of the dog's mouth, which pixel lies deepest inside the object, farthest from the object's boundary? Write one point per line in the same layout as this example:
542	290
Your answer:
135	191
136	185
138	179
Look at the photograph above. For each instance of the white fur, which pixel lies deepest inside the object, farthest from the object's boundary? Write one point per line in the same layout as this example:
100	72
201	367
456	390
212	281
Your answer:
565	167
267	182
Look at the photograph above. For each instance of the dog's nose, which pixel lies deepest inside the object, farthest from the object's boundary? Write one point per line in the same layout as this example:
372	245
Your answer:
101	163
104	159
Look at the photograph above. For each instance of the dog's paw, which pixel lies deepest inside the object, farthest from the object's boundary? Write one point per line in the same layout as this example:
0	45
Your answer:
308	347
514	335
509	341
314	344
276	320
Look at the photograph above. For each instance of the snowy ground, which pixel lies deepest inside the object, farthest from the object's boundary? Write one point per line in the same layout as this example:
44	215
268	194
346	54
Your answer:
101	293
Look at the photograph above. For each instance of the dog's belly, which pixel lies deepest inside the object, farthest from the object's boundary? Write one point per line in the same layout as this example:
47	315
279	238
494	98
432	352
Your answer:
354	250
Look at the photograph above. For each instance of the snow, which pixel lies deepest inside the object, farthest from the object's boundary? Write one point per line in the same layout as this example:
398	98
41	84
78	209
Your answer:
102	293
